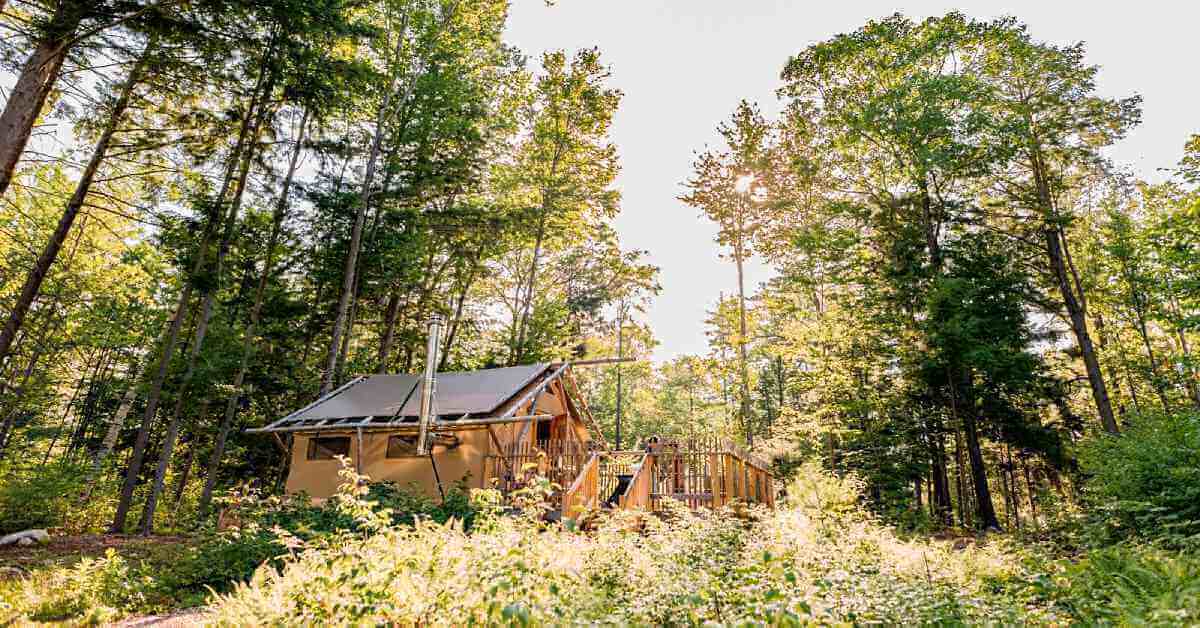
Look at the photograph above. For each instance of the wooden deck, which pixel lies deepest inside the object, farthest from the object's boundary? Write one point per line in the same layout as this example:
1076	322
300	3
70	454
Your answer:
698	473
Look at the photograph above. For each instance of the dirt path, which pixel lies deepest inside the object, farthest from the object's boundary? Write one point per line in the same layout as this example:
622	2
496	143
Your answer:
67	550
178	619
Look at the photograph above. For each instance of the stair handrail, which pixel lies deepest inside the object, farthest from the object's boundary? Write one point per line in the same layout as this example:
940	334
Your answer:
637	494
587	482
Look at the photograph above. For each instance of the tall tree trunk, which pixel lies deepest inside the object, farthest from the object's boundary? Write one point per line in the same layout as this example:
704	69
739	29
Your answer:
1138	304
942	506
37	274
1076	314
960	489
1029	487
1010	468
347	336
231	404
34	84
206	308
114	430
527	302
1155	370
983	496
171	336
350	270
743	358
1077	319
452	332
984	508
391	313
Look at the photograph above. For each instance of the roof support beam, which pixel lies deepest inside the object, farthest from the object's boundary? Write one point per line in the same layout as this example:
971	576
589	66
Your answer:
392	425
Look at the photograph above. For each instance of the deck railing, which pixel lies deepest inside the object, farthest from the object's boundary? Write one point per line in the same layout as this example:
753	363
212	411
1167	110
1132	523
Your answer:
558	460
701	473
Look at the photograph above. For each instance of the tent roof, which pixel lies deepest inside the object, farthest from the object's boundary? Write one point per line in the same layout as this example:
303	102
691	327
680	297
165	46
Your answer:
390	398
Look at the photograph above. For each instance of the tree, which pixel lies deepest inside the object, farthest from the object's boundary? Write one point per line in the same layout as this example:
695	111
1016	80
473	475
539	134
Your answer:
564	169
724	188
53	37
1045	97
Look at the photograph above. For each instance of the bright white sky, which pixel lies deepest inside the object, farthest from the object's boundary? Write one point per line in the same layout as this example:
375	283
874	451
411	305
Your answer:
684	64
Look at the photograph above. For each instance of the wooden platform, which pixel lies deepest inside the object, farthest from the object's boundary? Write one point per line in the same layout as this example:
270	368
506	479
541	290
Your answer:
707	473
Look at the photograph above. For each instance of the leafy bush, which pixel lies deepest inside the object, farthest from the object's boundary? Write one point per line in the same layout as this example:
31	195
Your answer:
818	559
1146	482
1127	585
93	591
266	529
49	497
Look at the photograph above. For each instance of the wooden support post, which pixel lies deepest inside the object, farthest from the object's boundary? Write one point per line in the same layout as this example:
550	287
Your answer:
714	480
731	478
358	452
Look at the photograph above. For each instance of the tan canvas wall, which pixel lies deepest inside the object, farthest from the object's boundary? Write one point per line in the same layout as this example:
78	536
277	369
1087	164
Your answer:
319	478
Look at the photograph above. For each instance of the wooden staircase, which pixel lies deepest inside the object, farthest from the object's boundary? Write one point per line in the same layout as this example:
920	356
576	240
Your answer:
697	473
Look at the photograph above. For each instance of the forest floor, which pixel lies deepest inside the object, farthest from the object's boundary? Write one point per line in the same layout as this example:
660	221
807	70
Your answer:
65	551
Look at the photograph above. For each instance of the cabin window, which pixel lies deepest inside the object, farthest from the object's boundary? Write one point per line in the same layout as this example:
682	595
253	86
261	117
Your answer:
327	448
401	446
543	431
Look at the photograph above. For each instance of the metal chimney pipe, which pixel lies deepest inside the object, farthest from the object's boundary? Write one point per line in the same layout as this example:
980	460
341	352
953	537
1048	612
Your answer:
429	385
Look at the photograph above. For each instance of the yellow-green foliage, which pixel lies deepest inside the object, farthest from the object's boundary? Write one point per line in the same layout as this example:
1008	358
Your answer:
816	559
93	591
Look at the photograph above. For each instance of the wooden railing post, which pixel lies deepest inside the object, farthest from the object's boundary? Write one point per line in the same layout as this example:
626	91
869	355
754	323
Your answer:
715	486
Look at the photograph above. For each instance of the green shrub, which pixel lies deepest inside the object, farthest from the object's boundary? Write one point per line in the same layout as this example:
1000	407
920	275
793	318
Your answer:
1127	585
819	559
50	497
1145	483
93	591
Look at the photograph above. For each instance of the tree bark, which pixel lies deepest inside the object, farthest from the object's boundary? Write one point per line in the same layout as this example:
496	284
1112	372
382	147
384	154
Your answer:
527	302
34	84
452	332
1078	322
960	489
1076	314
942	506
231	404
984	508
391	313
37	274
983	496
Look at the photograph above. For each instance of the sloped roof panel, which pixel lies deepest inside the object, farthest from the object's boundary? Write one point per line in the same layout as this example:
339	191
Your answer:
457	394
377	395
475	392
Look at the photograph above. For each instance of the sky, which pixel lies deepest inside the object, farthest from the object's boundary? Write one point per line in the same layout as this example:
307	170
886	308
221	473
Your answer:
683	65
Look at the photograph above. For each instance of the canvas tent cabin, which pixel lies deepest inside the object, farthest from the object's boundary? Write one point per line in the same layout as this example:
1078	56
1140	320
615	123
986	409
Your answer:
485	425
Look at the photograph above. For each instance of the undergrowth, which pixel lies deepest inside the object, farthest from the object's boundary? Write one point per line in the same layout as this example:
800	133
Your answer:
376	555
